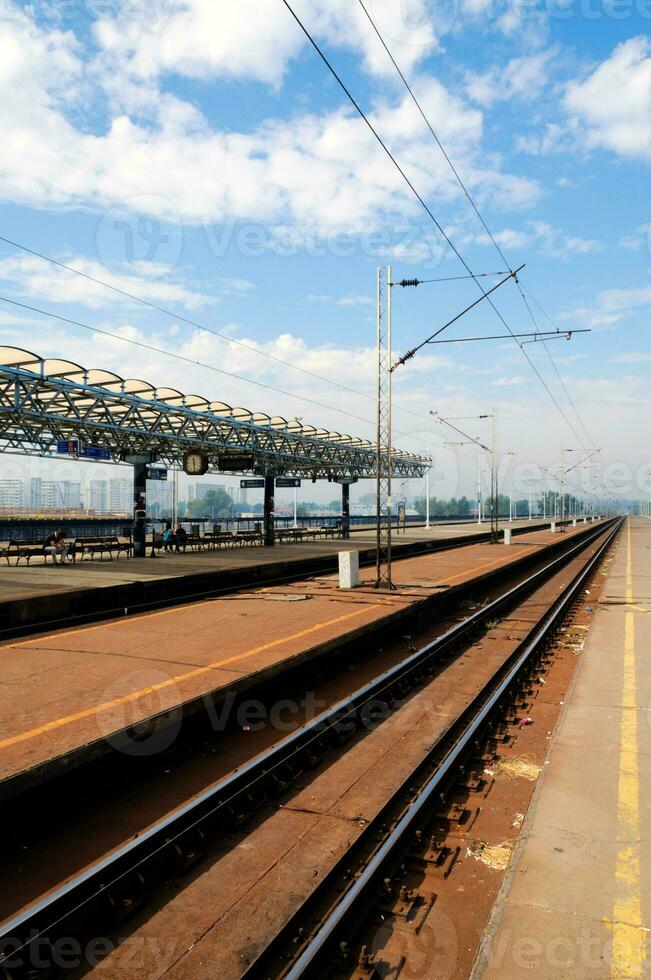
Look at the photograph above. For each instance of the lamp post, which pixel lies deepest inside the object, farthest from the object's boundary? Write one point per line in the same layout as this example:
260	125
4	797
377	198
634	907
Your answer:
478	488
299	418
427	476
564	450
510	453
473	442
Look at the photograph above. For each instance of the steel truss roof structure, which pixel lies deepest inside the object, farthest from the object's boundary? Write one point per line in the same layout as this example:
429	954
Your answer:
43	400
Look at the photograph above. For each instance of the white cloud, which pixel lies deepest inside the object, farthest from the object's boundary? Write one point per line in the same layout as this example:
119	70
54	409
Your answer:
513	382
613	104
355	300
544	239
31	276
632	357
634	242
521	78
326	170
611	306
206	40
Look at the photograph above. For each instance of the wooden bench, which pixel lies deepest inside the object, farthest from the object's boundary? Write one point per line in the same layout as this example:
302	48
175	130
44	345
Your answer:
330	531
247	537
90	547
22	549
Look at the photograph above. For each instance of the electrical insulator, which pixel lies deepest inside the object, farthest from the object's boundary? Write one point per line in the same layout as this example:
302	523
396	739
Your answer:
409	282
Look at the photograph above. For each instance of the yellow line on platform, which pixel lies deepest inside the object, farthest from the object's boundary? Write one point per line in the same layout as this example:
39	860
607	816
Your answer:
169	682
629	935
490	564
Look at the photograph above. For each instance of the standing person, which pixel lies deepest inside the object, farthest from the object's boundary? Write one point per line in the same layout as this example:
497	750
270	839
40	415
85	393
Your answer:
55	545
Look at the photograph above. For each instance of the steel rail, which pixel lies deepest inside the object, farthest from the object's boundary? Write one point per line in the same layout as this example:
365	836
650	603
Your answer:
351	910
176	841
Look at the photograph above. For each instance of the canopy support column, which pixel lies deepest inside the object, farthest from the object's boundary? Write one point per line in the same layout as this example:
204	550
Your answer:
345	511
269	526
139	508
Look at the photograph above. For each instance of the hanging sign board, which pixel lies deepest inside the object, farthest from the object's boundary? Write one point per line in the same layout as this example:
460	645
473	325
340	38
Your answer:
287	481
95	452
234	462
156	473
73	447
68	446
251	484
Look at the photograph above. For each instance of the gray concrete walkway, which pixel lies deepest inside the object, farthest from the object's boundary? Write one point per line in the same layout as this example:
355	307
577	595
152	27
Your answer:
577	901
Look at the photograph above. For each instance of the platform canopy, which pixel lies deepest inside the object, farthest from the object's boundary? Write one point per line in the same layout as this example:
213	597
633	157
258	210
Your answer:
45	400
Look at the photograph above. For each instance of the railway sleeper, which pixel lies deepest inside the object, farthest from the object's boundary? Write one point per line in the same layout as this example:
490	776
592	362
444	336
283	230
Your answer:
121	902
190	849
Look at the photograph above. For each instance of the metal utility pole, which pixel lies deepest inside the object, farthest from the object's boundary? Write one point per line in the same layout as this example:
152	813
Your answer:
495	521
562	508
427	477
478	488
383	494
511	454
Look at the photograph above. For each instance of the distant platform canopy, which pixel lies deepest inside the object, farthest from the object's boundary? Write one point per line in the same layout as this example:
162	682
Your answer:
46	400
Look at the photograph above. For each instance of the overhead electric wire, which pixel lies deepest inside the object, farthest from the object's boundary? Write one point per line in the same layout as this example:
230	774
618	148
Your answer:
179	357
203	364
437	140
481	219
216	333
478	275
418	196
553	363
176	316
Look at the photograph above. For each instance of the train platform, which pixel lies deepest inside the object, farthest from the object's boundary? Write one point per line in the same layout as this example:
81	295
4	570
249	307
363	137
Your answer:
79	693
577	899
41	594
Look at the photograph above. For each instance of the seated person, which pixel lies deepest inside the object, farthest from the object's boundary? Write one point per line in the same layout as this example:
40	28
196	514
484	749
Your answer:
55	545
181	536
169	538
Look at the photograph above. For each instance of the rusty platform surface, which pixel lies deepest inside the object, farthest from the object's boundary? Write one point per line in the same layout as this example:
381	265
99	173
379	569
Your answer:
68	693
577	902
43	594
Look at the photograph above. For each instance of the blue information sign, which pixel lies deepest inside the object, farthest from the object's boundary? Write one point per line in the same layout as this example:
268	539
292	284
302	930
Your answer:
68	446
156	473
287	481
95	452
251	484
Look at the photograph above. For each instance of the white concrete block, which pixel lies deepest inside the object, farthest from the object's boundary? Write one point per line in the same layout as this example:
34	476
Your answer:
507	535
574	522
552	527
348	569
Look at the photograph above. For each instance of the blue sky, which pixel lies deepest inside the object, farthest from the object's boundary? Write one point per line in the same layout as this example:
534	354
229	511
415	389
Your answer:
199	155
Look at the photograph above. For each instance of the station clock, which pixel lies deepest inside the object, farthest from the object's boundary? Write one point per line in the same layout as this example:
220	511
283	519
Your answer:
195	462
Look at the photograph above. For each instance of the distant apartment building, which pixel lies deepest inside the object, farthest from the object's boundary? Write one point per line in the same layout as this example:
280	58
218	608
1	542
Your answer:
120	496
159	496
41	494
12	493
97	496
70	494
51	494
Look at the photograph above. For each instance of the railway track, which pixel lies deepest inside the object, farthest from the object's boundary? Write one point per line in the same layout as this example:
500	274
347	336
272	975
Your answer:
105	893
326	949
